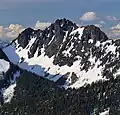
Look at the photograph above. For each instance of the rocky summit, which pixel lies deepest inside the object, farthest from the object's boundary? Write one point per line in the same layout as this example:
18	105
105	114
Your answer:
62	70
69	55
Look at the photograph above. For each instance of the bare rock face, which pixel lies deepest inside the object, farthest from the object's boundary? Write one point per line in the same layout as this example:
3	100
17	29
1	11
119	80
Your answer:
24	37
68	53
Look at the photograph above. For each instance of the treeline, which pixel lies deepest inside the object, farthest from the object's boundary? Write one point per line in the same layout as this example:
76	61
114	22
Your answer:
37	96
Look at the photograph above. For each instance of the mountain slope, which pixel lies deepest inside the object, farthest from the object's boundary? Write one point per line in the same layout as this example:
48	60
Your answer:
38	96
8	75
67	54
81	58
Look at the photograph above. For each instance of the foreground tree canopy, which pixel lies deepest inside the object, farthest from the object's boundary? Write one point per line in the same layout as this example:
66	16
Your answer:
37	96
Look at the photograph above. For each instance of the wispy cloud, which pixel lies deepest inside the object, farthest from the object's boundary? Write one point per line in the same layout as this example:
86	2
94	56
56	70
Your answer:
102	22
116	27
111	18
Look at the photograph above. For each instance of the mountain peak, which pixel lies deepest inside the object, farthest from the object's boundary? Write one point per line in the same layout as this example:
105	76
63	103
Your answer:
95	33
64	21
24	37
71	57
64	50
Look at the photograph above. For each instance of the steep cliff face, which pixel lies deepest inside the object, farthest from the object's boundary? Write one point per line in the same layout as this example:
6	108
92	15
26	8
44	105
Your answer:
67	54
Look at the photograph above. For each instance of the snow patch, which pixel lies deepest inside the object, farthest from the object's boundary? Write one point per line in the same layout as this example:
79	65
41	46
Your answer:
68	50
90	41
105	112
43	64
8	93
4	66
25	51
97	44
111	48
92	75
79	30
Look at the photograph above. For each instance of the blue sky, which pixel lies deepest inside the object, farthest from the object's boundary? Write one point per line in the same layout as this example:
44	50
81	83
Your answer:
28	12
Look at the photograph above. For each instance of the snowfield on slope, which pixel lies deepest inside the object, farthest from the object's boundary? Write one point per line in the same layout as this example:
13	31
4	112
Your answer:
43	65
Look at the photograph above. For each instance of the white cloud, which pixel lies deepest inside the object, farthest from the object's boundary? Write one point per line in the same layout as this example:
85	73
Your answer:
117	27
42	25
114	31
1	31
88	16
10	32
114	34
98	25
11	35
15	27
13	30
111	18
102	22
